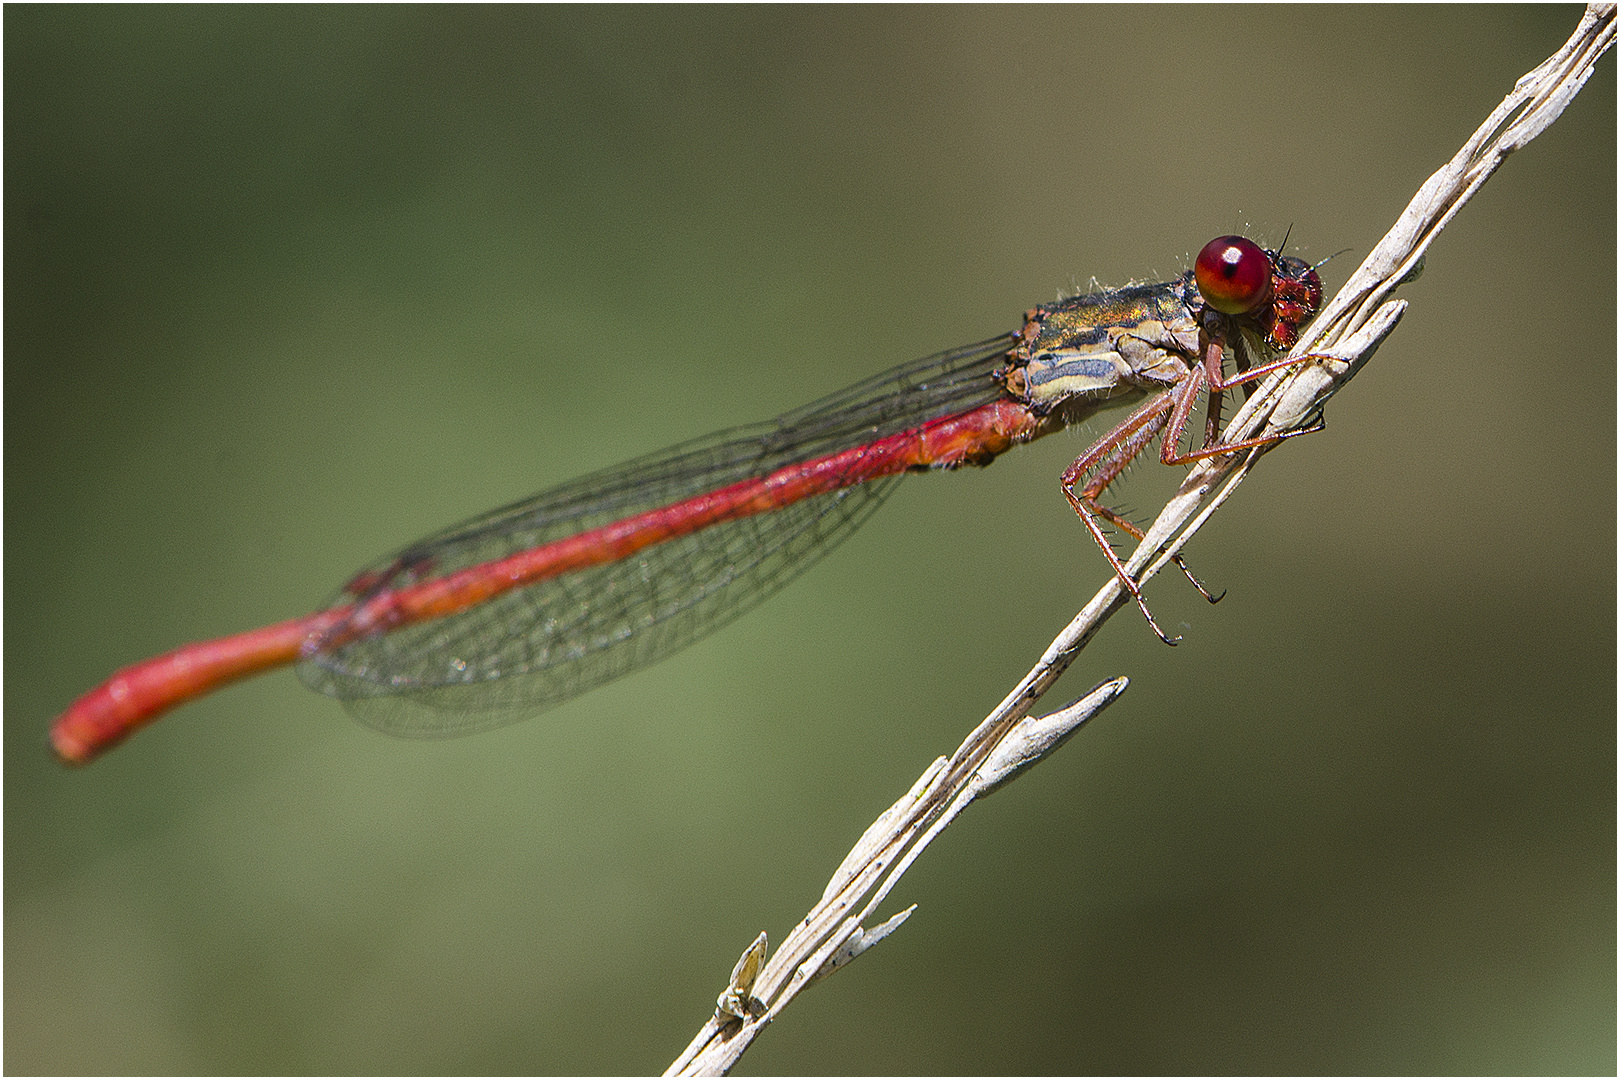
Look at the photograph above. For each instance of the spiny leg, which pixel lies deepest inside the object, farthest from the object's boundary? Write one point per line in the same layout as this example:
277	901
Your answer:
1186	394
1212	417
1103	463
1217	394
1128	526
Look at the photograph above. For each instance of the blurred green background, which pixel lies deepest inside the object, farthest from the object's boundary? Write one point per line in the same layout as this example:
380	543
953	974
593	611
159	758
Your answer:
286	288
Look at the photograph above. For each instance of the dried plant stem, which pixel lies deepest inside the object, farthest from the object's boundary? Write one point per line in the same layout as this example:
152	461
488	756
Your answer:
1331	350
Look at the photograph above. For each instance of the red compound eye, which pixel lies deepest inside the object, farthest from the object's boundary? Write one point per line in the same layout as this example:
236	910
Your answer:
1233	274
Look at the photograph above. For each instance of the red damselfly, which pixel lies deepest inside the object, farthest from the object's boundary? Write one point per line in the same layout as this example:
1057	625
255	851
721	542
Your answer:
532	604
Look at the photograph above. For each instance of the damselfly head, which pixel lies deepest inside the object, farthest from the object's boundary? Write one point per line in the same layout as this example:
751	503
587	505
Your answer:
1238	277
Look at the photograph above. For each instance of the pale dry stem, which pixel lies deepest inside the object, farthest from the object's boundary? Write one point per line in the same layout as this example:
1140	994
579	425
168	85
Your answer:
1331	350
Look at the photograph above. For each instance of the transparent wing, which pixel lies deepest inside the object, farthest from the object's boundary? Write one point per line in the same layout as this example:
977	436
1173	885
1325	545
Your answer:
540	645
